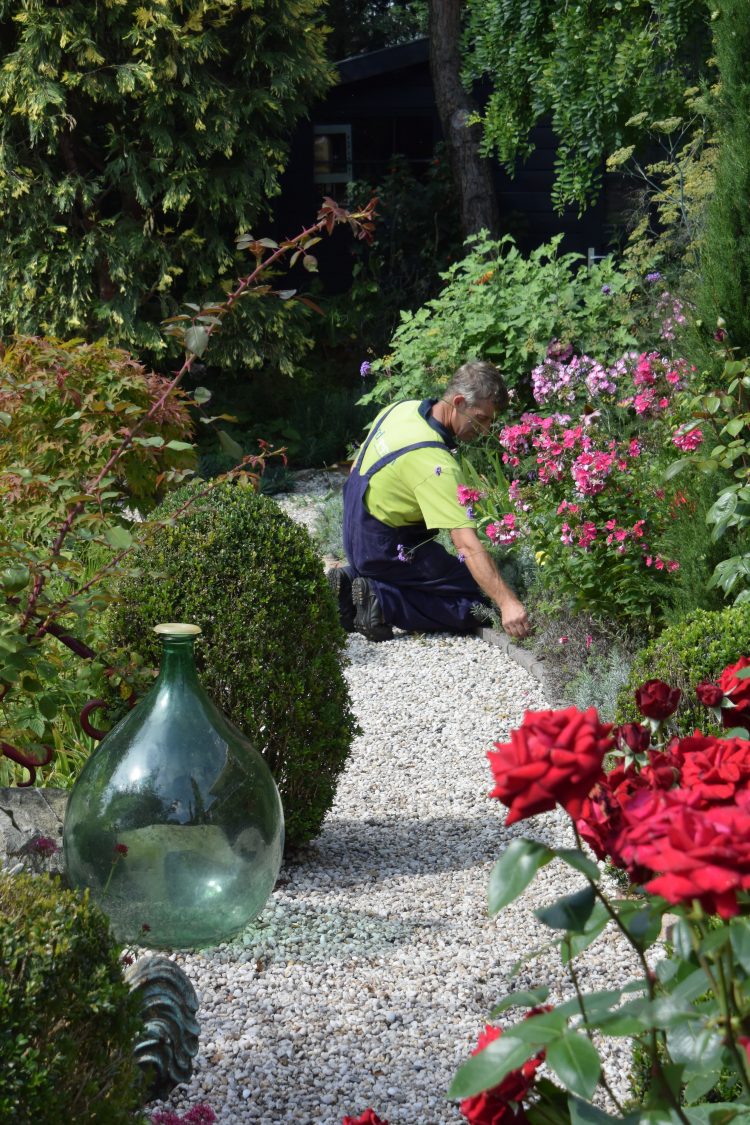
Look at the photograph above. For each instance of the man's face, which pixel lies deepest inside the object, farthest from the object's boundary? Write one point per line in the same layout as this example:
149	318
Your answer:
472	421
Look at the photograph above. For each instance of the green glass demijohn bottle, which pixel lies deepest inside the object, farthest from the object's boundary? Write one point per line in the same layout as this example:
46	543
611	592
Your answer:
175	823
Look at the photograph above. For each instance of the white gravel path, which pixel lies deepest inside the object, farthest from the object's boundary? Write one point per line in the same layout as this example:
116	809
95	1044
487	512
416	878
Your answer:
373	968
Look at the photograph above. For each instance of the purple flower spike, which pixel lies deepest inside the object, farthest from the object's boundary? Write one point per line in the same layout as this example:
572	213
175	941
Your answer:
606	290
652	277
461	556
470	511
403	555
364	369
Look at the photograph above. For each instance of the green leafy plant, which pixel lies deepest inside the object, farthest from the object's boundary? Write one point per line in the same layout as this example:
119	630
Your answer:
683	840
725	250
71	404
724	413
670	190
69	1020
271	650
506	308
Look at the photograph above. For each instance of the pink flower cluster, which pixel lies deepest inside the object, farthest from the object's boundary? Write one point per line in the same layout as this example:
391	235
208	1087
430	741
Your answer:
467	496
591	469
659	563
503	533
613	534
688	440
560	378
670	310
655	379
561	448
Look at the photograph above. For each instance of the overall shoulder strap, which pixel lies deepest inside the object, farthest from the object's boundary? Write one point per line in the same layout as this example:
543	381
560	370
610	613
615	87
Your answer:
395	453
371	435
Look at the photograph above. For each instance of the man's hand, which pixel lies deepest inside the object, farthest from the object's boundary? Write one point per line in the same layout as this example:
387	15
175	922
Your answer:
483	570
514	618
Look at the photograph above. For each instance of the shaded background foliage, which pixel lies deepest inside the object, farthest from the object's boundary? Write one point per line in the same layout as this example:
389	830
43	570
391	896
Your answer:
135	144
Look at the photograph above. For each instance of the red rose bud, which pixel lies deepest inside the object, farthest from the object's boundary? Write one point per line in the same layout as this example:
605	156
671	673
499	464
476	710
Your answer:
501	1103
634	736
710	695
657	700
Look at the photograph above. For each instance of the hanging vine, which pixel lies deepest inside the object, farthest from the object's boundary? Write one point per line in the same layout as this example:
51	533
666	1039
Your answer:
590	66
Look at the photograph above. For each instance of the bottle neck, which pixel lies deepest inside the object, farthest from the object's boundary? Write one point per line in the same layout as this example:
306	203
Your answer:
177	661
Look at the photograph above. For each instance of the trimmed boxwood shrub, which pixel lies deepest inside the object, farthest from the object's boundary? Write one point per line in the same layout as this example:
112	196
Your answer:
695	649
67	1019
271	651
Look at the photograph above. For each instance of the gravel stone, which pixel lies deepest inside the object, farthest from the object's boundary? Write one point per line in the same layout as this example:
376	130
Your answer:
372	970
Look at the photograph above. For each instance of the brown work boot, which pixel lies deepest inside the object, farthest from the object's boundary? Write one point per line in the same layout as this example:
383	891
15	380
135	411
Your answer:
368	616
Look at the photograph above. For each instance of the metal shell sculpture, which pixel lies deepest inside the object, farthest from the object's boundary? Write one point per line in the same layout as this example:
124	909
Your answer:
168	1043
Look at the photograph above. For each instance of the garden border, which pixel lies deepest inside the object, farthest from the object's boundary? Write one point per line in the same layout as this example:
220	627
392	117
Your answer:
525	659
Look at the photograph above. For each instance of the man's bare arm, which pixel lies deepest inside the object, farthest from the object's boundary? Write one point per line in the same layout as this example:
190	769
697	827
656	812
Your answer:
483	570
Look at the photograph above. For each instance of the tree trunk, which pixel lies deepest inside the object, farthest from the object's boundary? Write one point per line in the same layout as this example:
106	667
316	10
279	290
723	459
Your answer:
472	174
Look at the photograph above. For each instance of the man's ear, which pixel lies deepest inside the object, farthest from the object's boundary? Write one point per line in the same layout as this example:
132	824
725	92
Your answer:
458	401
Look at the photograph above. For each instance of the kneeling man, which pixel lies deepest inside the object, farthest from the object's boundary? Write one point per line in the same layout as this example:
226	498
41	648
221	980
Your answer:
403	489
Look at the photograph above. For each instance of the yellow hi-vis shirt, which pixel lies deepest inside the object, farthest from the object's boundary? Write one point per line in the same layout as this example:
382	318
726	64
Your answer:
410	489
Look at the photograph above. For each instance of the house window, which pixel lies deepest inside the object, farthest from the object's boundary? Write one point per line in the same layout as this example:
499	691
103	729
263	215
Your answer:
332	155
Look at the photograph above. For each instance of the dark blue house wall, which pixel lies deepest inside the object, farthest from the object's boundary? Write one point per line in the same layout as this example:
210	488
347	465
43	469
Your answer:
387	100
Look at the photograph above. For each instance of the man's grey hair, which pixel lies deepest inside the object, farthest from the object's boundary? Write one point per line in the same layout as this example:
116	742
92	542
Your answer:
478	381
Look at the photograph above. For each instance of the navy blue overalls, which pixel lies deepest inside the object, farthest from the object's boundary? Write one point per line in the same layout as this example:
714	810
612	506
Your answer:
433	591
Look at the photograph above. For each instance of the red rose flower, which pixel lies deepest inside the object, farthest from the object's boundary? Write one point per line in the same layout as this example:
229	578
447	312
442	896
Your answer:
710	695
664	766
714	769
657	700
634	736
369	1117
692	853
502	1104
602	818
739	693
555	757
